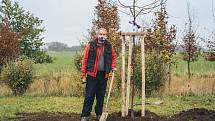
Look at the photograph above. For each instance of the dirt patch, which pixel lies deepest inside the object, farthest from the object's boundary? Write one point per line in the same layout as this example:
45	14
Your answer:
149	116
197	114
47	116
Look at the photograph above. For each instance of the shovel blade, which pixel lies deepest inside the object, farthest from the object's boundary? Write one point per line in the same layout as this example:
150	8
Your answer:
103	117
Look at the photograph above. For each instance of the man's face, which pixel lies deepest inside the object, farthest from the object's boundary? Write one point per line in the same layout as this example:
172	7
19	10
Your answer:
102	35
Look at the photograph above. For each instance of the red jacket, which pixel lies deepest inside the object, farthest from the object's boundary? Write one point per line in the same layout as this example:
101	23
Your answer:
98	53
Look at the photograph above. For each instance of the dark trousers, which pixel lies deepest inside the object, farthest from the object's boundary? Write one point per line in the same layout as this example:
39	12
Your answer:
95	87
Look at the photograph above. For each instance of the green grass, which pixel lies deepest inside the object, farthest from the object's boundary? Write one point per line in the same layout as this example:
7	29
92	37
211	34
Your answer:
197	67
201	66
63	61
9	106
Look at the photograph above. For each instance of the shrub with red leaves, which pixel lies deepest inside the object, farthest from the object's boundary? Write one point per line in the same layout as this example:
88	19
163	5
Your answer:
8	43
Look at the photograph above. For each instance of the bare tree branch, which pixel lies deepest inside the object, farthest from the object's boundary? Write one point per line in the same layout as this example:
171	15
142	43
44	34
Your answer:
122	5
153	3
132	13
136	10
125	13
213	15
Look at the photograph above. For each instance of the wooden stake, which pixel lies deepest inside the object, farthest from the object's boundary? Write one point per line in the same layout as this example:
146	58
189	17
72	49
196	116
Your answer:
129	75
123	76
143	75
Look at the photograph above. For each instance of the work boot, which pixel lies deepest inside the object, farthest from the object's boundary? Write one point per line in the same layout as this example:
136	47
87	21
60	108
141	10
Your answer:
84	118
98	117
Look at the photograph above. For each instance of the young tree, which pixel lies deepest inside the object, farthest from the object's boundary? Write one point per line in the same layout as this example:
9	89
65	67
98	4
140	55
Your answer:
135	11
160	40
8	43
190	43
25	22
211	40
211	46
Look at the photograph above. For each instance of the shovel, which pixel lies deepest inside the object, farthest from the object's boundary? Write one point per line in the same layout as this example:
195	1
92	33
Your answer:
105	113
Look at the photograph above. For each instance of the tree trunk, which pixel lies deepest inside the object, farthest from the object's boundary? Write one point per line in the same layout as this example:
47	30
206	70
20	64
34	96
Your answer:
188	67
169	74
133	68
1	67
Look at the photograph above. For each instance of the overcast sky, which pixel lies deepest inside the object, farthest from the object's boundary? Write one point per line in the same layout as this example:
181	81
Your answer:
67	21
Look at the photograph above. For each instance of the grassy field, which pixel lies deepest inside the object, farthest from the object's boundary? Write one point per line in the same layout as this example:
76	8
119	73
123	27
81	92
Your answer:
62	79
9	106
200	67
63	61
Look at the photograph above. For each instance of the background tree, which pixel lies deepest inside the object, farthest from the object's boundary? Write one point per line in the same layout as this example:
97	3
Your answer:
211	47
211	40
191	52
8	43
57	46
23	21
160	41
106	16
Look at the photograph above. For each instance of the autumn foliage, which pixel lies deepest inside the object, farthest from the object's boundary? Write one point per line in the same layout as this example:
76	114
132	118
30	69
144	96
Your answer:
107	17
190	46
159	38
211	47
22	21
8	43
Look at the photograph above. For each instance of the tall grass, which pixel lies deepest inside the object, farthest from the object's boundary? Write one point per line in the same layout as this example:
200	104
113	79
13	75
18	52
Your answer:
196	85
57	84
59	78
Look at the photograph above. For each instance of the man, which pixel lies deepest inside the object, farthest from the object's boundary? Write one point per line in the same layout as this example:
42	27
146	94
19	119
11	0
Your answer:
99	60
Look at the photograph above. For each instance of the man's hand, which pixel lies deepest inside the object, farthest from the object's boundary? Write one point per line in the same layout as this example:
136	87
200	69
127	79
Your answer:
114	69
83	78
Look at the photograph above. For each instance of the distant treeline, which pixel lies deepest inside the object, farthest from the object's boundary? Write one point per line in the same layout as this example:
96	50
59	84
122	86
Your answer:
58	46
179	48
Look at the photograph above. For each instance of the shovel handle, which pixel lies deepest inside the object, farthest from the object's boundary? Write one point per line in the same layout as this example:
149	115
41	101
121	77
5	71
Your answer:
109	92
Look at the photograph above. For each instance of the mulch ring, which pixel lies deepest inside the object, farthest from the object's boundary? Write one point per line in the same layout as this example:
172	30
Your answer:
196	114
